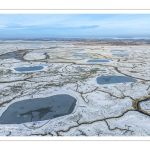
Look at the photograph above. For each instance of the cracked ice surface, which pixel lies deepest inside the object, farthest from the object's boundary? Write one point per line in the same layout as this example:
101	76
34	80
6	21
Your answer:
120	109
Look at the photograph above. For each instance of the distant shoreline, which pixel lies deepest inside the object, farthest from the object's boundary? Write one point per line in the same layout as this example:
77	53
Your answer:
87	42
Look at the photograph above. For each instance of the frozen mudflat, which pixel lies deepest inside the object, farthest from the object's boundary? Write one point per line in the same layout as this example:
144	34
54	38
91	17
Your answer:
28	105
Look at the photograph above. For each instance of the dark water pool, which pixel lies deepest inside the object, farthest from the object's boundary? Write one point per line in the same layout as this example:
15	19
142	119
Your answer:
121	55
34	68
38	109
114	79
98	60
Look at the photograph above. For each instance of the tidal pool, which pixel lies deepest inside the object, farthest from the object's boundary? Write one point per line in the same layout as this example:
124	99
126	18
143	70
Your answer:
121	55
98	60
38	109
31	68
114	79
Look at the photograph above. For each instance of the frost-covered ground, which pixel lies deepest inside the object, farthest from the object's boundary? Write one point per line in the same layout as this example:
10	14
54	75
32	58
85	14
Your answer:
121	109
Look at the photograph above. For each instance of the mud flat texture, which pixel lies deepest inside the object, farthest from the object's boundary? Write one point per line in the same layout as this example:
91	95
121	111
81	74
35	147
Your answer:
118	108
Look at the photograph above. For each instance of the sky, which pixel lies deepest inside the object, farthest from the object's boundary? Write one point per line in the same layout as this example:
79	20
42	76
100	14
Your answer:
30	26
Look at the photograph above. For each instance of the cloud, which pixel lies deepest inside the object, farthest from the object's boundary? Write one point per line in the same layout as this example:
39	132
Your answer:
3	26
88	27
75	24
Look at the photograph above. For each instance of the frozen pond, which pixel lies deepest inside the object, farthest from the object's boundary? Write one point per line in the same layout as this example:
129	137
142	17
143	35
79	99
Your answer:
31	68
16	55
98	60
78	68
80	49
80	55
117	50
42	51
38	109
33	46
114	79
121	55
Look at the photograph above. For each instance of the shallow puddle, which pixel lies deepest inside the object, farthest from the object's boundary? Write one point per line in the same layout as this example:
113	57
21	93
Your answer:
121	55
114	79
38	109
98	60
33	68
